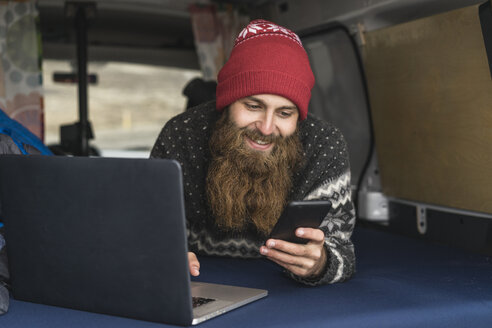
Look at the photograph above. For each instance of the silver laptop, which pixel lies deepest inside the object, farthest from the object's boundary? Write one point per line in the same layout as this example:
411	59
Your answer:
105	235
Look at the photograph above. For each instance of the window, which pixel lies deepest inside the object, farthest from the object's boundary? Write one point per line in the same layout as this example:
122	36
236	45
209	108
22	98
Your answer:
339	94
128	106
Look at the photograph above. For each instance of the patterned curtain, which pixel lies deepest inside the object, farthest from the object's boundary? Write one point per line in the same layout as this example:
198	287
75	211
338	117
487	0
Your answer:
215	30
20	65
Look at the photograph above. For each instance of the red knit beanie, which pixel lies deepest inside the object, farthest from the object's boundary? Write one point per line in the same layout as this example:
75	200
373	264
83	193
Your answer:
266	59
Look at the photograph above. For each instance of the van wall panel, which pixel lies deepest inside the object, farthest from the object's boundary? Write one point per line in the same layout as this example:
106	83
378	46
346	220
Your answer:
430	91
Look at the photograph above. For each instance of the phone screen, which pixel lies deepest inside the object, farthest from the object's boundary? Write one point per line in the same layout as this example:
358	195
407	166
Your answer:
306	214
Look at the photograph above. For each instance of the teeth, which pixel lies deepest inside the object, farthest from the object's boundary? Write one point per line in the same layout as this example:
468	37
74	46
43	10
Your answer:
261	142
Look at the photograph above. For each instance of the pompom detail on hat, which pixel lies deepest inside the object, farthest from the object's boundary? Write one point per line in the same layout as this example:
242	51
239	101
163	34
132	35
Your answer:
266	59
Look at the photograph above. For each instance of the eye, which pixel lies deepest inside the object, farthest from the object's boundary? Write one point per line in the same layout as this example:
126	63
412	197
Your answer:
285	114
252	106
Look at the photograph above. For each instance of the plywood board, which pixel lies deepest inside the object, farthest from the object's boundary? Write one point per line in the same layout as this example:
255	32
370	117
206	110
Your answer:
430	91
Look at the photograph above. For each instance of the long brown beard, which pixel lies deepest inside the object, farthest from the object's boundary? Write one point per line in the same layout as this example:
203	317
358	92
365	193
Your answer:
247	186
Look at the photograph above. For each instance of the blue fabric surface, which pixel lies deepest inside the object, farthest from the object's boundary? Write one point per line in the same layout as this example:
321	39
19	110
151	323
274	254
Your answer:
400	282
21	135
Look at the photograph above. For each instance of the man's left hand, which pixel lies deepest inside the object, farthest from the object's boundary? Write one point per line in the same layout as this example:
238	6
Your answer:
303	260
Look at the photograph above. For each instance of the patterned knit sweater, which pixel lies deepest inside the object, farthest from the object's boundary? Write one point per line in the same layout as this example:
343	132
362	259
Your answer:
324	175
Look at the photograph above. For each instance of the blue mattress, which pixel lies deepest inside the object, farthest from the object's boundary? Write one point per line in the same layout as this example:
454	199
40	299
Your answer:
400	282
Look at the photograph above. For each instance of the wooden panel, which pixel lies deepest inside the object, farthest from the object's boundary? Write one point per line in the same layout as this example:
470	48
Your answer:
431	96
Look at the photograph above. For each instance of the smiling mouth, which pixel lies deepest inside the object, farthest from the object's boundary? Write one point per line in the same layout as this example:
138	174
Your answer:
258	144
255	140
261	142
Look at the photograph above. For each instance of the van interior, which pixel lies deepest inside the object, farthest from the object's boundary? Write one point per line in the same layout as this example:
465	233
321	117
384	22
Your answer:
408	83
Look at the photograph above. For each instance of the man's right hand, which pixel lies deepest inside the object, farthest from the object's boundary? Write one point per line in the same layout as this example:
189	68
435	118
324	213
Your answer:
194	264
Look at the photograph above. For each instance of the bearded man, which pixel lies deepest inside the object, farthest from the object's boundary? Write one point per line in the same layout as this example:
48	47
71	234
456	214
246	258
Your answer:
253	150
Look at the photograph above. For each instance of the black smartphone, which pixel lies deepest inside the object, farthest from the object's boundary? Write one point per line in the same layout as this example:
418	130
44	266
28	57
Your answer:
306	214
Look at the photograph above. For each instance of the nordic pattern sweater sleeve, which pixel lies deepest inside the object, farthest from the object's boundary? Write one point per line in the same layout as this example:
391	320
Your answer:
326	175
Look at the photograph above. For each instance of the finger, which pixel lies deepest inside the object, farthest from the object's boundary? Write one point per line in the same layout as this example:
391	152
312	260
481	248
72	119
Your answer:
316	235
310	250
287	247
299	271
194	264
299	261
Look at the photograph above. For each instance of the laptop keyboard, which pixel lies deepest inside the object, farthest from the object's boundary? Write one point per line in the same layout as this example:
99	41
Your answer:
199	301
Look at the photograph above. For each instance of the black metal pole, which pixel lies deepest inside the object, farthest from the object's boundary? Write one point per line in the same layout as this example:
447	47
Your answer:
81	28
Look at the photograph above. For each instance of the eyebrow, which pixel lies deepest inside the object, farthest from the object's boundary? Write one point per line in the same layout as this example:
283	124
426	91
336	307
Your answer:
258	100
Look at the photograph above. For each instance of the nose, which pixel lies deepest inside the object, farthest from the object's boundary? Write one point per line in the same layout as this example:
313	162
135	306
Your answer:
266	124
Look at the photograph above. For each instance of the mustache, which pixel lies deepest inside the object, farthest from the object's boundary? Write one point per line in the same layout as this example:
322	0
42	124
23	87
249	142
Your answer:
257	135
